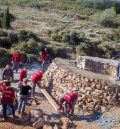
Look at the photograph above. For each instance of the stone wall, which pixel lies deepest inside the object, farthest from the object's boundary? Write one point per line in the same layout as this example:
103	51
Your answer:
97	65
95	90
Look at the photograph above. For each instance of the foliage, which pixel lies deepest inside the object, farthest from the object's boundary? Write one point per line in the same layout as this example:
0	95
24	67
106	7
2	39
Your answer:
6	19
5	57
26	35
100	4
29	47
67	36
107	18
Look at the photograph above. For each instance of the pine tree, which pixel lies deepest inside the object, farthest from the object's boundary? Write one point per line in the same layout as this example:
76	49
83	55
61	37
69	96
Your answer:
6	19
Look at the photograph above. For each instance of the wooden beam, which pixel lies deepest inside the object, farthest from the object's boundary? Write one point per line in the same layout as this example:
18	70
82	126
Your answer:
52	102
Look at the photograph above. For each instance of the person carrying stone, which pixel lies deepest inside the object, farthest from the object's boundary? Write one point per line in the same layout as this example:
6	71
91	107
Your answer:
23	74
16	60
35	79
7	73
67	103
8	97
24	94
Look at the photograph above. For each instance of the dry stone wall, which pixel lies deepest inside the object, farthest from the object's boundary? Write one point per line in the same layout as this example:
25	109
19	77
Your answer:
97	65
95	90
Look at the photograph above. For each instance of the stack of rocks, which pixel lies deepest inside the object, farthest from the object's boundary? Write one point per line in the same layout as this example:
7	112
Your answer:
97	65
95	90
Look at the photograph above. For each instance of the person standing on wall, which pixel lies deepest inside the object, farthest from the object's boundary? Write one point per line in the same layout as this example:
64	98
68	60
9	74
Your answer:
67	103
35	79
7	73
8	97
16	60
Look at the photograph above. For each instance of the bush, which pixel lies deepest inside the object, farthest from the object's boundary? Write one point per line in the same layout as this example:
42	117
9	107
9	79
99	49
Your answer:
6	19
107	18
67	36
5	57
26	35
29	47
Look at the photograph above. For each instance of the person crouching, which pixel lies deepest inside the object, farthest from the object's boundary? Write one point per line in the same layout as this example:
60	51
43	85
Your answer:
67	103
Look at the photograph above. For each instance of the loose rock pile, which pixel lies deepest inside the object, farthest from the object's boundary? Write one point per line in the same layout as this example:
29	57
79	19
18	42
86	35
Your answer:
97	65
95	90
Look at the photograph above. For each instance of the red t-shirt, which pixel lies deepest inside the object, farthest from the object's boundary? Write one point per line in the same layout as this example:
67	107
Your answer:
45	52
16	57
36	77
8	94
43	57
23	74
69	98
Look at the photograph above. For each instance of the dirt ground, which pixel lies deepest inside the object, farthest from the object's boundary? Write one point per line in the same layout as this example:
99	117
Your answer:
80	122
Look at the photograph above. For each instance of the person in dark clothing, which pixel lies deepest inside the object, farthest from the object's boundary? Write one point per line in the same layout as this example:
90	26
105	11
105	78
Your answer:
8	96
7	73
24	93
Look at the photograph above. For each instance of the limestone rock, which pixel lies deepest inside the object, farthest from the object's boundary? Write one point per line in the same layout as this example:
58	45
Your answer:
40	123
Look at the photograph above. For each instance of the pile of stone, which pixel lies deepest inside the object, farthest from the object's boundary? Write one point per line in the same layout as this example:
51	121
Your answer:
95	90
97	65
41	120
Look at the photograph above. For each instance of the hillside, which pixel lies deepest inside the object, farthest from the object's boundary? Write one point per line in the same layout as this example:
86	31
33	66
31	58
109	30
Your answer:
68	28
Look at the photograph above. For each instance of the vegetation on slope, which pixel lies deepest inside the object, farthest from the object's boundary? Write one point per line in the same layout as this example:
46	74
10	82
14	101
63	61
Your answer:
102	13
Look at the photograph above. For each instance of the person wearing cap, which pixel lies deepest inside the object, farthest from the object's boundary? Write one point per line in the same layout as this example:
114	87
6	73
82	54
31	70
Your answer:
67	103
8	97
35	79
16	59
24	93
7	73
23	74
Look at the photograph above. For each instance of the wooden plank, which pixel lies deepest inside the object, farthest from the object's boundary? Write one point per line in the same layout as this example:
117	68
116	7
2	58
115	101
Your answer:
52	102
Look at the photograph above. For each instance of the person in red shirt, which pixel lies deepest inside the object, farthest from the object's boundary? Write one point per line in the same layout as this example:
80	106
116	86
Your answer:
45	52
23	74
16	59
43	57
36	78
8	96
67	103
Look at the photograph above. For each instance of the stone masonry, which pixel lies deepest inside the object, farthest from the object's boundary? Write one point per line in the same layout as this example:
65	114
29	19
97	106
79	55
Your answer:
96	91
97	65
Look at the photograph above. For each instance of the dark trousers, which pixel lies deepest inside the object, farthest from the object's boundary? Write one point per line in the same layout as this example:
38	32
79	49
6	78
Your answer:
22	103
4	108
72	109
16	66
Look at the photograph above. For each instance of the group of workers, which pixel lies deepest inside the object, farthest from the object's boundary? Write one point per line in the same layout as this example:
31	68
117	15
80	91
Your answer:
26	91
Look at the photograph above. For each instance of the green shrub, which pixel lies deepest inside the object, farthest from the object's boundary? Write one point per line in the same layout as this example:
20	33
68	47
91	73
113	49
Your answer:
3	33
29	47
5	57
117	7
56	37
26	35
6	19
107	18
